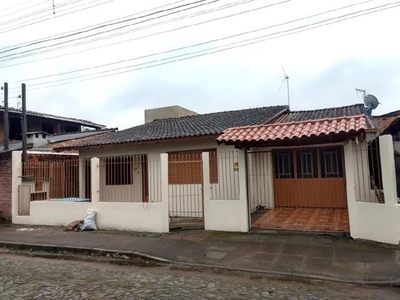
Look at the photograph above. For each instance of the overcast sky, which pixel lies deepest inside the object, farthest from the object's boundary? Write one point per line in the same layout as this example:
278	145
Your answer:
325	64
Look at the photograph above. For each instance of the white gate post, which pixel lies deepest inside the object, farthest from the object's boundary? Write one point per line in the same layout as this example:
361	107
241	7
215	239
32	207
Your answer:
350	187
388	169
244	207
15	181
165	190
95	179
82	178
206	190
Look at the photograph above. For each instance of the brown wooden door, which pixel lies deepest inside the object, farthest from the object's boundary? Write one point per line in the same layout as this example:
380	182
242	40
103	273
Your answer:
311	178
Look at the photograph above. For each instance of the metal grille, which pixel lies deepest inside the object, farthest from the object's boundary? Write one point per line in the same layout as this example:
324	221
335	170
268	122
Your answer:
284	164
260	183
227	185
368	173
131	178
24	192
57	179
185	188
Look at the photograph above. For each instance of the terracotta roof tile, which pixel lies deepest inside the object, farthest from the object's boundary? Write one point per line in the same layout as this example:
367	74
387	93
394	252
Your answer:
292	130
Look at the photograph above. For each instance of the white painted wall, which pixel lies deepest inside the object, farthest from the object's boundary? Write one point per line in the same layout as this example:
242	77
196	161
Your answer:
226	215
151	217
374	221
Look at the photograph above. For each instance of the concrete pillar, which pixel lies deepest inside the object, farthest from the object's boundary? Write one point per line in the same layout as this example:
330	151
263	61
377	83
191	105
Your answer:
206	191
388	169
350	186
165	190
244	207
82	177
16	181
95	179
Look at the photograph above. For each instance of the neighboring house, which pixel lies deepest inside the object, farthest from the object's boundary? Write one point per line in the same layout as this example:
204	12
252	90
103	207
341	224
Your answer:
36	121
390	124
40	148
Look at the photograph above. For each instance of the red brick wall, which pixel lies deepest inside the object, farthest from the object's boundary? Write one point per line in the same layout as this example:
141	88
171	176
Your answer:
5	186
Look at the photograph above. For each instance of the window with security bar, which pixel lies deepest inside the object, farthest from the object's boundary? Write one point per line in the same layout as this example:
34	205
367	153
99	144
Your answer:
307	164
283	164
119	170
331	163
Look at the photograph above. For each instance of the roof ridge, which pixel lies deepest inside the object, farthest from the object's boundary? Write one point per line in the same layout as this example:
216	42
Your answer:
88	131
219	112
51	116
327	108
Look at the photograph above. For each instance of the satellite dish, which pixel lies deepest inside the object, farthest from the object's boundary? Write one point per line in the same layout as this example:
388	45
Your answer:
371	102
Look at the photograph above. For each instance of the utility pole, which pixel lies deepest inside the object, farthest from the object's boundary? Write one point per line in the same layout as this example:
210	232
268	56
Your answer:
24	125
6	120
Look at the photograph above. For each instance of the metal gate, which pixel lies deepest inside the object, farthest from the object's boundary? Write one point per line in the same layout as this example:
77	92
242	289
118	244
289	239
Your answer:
294	178
260	183
24	200
309	178
185	184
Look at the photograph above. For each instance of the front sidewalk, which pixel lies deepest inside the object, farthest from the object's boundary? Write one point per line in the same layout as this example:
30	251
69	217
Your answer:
295	255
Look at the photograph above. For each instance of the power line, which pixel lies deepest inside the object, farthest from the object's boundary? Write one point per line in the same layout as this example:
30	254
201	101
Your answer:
18	18
222	48
83	28
13	56
19	4
103	26
66	12
199	44
37	12
226	6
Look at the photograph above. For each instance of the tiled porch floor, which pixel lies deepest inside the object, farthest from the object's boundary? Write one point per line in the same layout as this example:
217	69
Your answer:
305	219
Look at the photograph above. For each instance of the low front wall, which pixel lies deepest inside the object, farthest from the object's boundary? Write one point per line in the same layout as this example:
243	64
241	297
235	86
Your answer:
226	215
149	217
376	222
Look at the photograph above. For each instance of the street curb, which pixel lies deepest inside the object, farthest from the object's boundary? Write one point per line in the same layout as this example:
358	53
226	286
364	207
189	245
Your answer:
194	266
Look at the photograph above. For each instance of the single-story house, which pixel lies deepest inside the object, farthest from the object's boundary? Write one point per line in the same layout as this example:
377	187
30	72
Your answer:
129	159
264	168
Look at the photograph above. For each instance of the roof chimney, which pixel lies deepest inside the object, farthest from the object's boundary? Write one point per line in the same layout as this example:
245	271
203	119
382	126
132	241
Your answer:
36	139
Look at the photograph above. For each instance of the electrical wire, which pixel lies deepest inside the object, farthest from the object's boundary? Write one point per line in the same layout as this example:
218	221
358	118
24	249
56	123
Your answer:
19	4
218	49
103	26
12	56
194	45
86	27
37	12
58	15
138	29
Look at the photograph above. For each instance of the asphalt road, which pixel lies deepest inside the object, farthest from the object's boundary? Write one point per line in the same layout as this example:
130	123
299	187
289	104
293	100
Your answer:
36	278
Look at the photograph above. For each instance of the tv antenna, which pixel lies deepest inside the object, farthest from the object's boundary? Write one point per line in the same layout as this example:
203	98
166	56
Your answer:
286	79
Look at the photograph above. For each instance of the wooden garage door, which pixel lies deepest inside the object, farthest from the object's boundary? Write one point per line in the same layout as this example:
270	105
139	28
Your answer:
310	178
